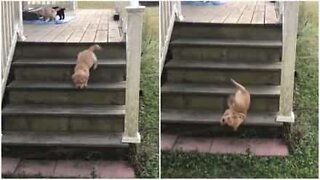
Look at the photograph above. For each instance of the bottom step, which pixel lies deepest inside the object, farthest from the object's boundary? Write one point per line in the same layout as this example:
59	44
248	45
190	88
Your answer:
14	167
63	139
64	145
224	145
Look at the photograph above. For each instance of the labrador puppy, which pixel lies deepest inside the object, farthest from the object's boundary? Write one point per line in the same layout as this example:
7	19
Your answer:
238	106
85	60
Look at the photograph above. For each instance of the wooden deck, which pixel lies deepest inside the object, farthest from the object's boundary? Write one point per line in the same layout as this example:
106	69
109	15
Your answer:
88	26
244	12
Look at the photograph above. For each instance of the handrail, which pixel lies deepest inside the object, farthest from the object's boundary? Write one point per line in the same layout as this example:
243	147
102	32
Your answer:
169	12
289	39
11	31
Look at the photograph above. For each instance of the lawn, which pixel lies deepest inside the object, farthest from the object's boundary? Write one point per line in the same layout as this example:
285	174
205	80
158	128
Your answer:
147	156
303	138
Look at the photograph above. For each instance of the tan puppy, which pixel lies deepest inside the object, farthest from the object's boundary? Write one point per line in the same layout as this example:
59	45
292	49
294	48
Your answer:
238	104
48	13
86	59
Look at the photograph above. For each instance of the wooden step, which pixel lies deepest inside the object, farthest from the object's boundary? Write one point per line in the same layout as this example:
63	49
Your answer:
215	72
35	85
41	62
63	118
110	70
236	52
23	92
67	50
191	88
111	140
227	43
213	118
214	97
63	110
227	31
222	65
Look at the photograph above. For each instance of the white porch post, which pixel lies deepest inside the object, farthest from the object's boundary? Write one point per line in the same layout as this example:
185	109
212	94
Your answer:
21	36
289	39
134	40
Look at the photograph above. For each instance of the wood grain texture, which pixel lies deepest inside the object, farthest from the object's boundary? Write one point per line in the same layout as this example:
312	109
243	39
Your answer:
87	26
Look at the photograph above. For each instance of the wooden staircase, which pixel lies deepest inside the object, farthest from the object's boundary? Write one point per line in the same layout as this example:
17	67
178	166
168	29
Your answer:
201	59
41	107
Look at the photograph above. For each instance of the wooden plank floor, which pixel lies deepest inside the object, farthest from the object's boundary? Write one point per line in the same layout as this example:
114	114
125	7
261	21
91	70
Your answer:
90	25
244	12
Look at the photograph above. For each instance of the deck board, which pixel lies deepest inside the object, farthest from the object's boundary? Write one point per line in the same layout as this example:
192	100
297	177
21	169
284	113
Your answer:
89	25
236	12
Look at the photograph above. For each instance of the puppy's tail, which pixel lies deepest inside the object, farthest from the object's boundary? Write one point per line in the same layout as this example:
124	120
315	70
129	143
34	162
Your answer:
94	47
239	86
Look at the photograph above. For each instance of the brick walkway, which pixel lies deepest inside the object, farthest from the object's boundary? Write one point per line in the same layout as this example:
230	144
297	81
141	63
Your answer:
222	145
13	167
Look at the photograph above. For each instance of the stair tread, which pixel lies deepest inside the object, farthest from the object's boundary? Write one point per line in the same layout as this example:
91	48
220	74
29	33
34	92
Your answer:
211	117
64	62
71	110
64	139
225	42
65	85
189	64
197	88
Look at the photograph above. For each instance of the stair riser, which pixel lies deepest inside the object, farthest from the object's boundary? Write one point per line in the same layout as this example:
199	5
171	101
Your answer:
64	152
63	124
223	76
64	74
215	53
67	50
83	97
231	32
221	131
215	102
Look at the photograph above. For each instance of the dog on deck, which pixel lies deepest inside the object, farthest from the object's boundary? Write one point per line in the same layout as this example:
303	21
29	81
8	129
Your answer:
60	12
238	106
47	13
85	60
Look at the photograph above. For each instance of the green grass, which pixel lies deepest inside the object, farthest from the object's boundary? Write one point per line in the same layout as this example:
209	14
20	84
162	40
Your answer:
303	158
147	155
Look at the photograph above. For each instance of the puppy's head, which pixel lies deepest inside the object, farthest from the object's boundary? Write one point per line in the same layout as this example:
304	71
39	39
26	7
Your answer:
232	119
80	80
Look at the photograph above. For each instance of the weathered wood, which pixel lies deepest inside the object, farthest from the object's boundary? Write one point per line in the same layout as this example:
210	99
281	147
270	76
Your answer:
269	66
87	26
236	13
270	14
215	42
247	14
63	139
210	117
189	88
258	16
134	40
290	29
61	110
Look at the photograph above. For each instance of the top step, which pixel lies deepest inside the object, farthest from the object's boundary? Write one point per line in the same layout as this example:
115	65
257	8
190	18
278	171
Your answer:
68	50
227	31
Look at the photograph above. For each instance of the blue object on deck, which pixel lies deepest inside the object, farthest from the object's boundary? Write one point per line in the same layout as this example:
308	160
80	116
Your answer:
204	3
41	21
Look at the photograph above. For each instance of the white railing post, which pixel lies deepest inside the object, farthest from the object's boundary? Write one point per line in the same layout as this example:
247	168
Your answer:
21	36
289	39
133	48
